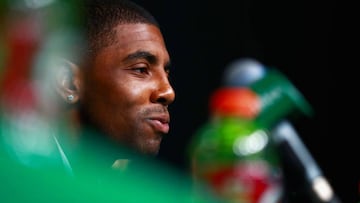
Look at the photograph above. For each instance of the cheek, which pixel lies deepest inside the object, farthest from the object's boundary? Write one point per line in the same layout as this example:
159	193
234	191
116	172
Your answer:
120	102
134	92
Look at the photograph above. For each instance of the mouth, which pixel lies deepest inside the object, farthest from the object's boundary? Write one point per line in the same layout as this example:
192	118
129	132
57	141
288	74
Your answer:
160	123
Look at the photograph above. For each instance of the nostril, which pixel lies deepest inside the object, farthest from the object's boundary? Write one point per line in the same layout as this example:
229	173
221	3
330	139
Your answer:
162	100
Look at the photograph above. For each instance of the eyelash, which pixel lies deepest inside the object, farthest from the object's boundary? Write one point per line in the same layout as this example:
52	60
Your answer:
141	70
145	70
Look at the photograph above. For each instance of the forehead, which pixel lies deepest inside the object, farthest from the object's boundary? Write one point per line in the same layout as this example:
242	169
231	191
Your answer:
137	32
130	38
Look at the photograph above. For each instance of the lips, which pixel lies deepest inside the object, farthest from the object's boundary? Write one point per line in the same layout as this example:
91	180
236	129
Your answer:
160	123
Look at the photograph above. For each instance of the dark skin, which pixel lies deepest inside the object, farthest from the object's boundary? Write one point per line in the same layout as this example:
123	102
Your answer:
125	91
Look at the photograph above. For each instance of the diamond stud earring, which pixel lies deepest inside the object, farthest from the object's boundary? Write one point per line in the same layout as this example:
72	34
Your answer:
70	98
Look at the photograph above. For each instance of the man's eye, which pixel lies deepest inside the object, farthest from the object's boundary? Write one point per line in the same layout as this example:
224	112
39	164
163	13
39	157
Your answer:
140	70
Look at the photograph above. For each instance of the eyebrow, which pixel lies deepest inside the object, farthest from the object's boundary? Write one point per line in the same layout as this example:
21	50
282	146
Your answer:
141	55
145	55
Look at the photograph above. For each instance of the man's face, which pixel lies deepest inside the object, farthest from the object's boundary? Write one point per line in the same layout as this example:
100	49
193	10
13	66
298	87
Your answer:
126	91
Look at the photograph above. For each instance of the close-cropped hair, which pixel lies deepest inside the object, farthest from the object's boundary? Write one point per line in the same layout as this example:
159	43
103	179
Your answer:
102	16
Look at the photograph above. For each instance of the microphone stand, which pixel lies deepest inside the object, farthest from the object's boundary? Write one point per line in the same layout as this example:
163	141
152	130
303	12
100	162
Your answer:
294	152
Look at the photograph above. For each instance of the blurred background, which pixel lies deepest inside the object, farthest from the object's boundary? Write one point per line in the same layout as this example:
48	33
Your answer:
298	38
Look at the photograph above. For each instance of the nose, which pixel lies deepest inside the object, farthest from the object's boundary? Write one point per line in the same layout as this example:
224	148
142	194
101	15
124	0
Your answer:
164	92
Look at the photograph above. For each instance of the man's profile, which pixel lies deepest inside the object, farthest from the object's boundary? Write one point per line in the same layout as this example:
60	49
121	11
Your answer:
122	87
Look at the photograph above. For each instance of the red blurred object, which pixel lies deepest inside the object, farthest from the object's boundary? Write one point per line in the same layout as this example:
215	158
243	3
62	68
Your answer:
23	39
254	176
241	102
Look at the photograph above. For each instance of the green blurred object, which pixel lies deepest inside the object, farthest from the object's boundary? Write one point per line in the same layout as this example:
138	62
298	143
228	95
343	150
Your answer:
146	181
237	158
234	152
92	179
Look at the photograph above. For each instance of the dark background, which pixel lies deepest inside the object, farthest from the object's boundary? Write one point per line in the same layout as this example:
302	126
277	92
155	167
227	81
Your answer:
297	37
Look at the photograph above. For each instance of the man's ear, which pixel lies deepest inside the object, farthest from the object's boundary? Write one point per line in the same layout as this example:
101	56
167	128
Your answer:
68	81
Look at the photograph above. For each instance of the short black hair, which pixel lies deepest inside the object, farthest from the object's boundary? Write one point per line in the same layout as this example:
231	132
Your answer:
101	17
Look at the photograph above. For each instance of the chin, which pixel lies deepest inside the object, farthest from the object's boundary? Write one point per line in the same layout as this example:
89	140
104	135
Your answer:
151	148
150	151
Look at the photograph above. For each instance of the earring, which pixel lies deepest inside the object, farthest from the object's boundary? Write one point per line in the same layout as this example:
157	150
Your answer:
70	98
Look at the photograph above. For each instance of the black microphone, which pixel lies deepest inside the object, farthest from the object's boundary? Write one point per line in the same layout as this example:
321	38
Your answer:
246	71
289	142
